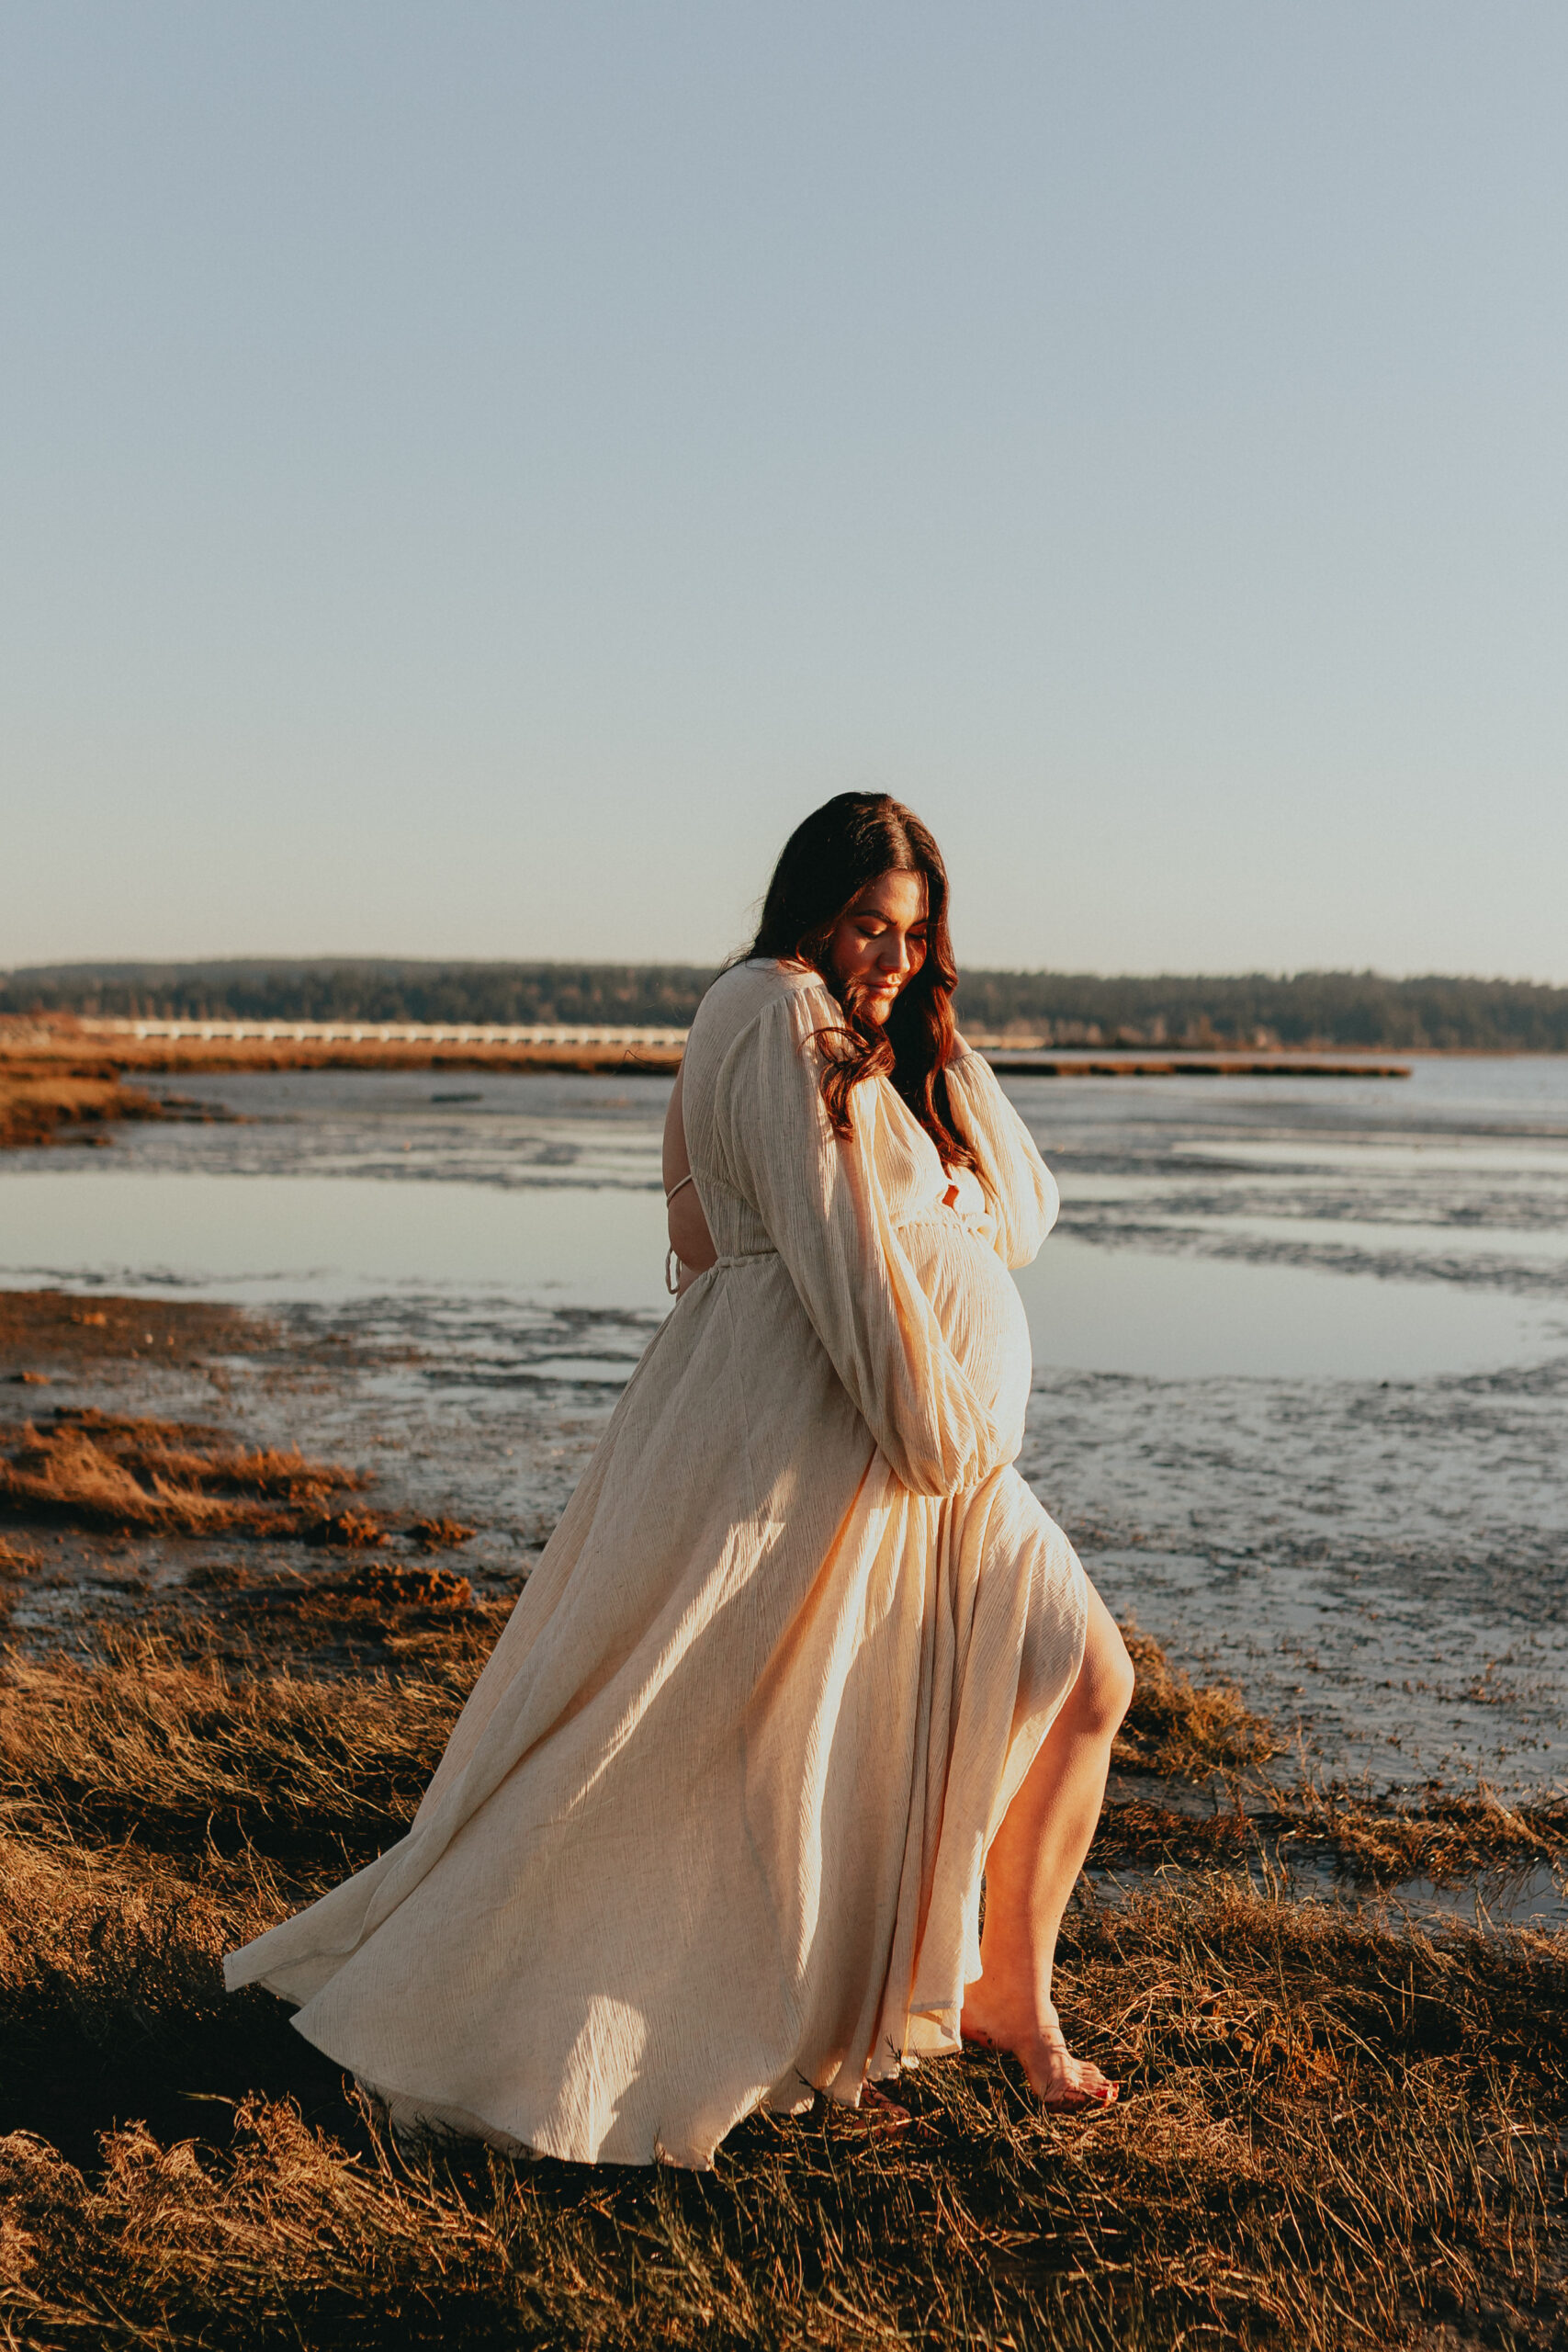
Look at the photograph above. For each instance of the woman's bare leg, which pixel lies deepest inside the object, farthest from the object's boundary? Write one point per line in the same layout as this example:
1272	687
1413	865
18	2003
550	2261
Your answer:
1033	1866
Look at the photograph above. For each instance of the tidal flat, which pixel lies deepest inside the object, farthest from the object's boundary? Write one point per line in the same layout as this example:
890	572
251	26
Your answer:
289	1402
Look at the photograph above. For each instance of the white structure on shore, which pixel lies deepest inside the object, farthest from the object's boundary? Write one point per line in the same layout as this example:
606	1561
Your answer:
392	1032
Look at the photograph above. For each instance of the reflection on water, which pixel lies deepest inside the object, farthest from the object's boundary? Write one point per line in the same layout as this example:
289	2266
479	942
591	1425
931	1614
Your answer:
1177	1318
328	1240
1233	1223
332	1239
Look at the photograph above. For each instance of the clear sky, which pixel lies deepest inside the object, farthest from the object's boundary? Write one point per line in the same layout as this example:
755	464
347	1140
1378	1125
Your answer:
472	475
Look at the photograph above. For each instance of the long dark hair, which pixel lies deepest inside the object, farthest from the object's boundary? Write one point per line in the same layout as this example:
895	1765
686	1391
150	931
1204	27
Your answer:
850	841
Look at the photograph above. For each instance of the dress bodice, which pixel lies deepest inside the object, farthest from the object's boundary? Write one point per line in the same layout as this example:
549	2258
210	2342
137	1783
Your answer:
948	1234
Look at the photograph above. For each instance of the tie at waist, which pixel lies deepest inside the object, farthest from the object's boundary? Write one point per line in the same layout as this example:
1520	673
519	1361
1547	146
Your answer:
730	1257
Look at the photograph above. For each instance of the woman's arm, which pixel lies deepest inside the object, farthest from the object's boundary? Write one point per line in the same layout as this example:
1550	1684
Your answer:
1021	1189
821	1200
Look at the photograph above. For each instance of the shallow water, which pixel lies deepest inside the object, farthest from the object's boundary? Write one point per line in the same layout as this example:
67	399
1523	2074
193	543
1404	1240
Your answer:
1301	1346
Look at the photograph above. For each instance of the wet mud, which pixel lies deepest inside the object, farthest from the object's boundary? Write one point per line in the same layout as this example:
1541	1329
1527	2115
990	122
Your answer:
157	1488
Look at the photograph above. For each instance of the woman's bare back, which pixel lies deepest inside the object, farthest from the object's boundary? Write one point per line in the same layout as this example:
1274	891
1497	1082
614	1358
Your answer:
689	1236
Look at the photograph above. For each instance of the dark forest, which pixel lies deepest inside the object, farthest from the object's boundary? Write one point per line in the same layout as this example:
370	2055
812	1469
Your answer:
1335	1008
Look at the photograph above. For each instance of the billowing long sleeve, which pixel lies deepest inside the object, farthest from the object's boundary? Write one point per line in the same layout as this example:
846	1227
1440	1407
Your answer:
1021	1189
823	1208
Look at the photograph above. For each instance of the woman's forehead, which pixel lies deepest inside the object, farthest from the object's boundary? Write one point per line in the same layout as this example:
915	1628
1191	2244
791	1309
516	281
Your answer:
898	896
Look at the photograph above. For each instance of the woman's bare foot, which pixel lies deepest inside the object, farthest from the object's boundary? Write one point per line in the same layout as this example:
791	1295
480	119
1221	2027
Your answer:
877	2113
1058	2080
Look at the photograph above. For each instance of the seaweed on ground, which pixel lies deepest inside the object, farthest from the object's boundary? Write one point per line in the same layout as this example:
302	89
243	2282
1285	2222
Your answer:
1433	1833
133	1475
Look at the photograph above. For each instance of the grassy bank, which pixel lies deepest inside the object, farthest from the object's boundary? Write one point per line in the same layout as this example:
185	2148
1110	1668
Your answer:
43	1101
1337	2129
1332	2130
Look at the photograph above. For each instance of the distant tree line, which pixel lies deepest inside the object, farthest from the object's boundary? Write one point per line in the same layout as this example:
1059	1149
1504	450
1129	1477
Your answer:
1256	1008
1065	1007
644	995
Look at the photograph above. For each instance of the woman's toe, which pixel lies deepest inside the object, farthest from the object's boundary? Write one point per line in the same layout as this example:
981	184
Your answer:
1075	2082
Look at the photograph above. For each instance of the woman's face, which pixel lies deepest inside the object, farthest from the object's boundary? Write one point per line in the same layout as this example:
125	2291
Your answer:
880	939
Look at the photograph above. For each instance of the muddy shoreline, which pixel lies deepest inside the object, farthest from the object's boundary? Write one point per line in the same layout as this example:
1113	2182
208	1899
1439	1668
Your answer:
66	1083
61	1083
151	1478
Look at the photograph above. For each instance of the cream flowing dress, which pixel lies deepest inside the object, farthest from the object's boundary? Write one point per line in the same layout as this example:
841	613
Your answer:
710	1830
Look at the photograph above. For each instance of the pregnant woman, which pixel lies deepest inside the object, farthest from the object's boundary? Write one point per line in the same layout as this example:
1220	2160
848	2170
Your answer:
804	1658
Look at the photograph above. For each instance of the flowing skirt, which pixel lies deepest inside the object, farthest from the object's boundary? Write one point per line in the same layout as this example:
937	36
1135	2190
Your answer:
710	1831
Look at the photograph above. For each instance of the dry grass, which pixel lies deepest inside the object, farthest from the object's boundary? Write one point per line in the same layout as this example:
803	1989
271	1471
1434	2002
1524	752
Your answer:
440	1535
1332	2135
39	1105
104	1472
1438	1834
1177	1731
1431	1835
1181	1731
149	1747
229	1732
374	1593
88	1067
1335	2133
122	1475
109	1993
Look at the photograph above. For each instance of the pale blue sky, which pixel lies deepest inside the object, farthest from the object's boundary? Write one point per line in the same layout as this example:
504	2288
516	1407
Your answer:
472	476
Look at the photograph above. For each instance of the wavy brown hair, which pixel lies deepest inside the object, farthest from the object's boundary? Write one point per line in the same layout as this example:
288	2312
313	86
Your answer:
849	842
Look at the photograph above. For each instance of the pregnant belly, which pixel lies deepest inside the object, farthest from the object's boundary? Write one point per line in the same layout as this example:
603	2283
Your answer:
977	1303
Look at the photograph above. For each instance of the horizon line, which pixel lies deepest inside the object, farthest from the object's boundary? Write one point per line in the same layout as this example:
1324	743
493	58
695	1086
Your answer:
125	966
